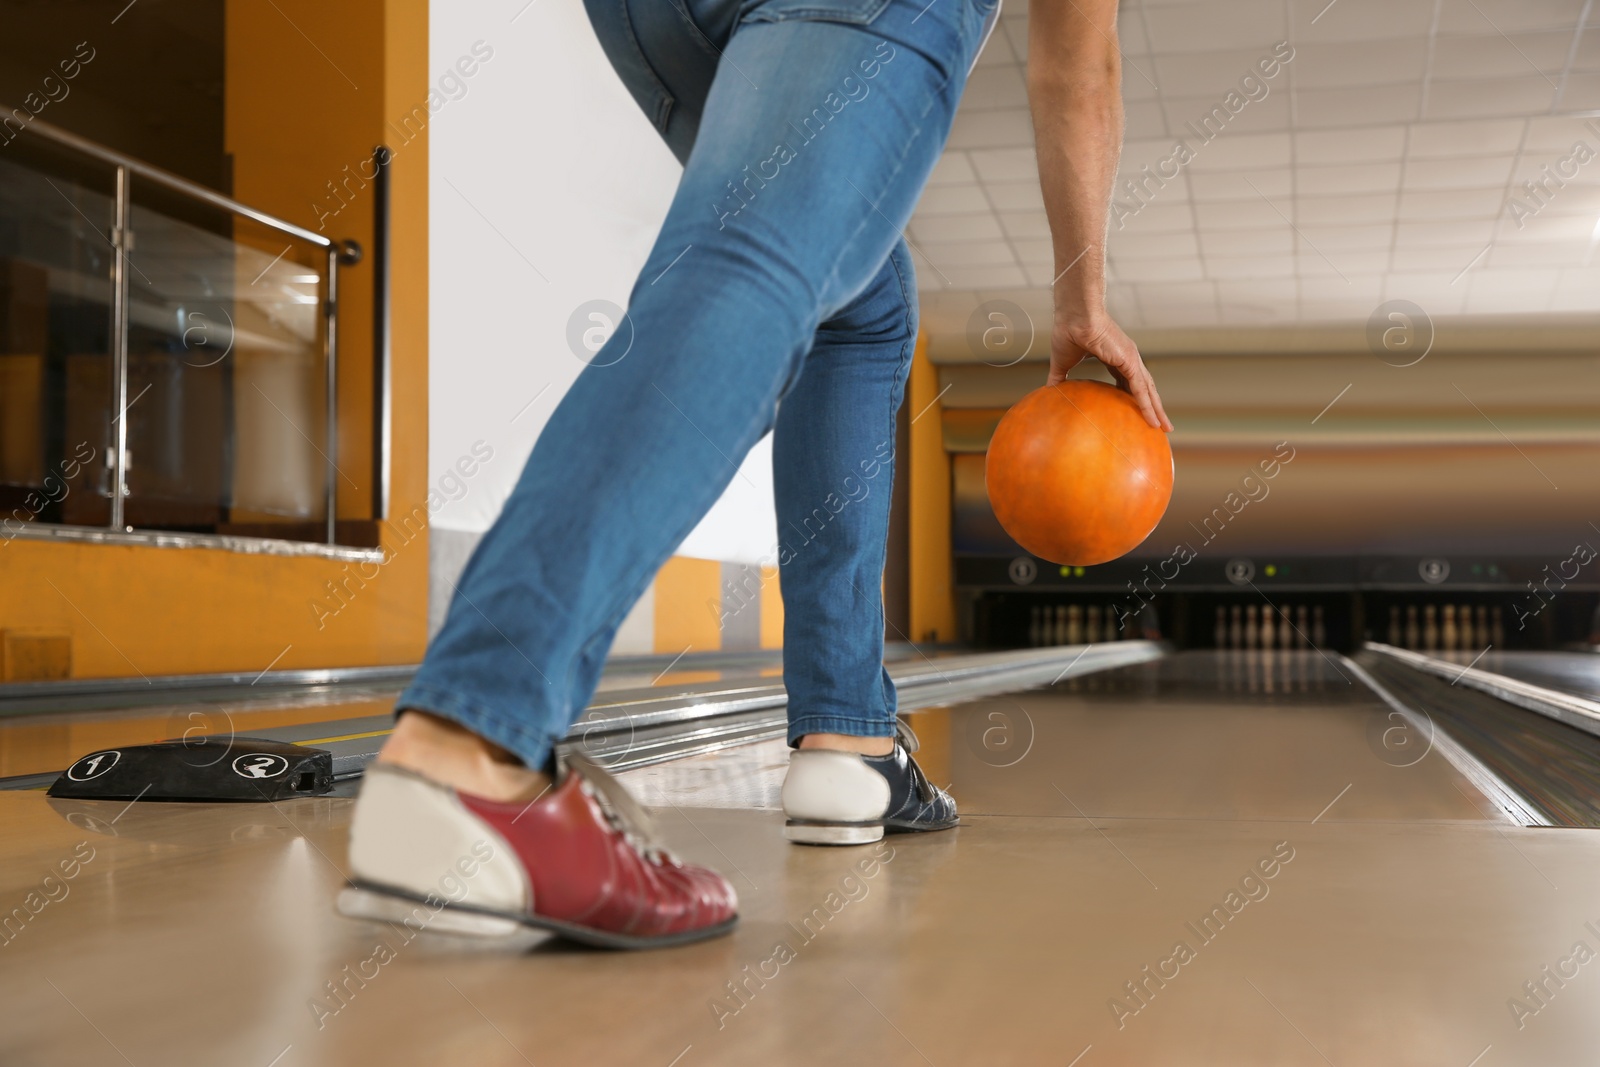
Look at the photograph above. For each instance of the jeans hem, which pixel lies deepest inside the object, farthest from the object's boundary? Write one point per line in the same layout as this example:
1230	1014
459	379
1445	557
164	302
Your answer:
834	724
531	746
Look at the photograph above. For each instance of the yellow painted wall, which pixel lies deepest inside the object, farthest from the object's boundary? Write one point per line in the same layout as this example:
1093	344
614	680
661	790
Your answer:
933	607
294	121
771	609
688	595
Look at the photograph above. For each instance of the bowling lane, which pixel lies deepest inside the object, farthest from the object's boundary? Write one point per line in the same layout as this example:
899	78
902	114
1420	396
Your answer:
1574	673
1011	940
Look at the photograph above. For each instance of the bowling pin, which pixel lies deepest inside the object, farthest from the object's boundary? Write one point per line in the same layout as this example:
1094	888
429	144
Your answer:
1430	628
1319	629
1251	634
1413	633
1468	636
1235	631
1219	629
1447	628
1303	638
1285	630
1394	625
1058	628
1075	624
1092	624
1482	627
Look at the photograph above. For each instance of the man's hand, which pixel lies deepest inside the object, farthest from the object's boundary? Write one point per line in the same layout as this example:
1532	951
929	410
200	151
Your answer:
1075	89
1072	341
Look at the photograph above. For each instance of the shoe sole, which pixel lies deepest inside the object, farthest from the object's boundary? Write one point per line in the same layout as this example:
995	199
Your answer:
811	832
386	904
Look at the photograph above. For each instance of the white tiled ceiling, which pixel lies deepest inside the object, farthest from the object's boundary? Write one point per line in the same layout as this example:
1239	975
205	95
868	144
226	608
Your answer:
1381	165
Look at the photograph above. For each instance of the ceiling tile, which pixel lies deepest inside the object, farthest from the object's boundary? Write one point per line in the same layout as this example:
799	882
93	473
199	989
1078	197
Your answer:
1331	238
1582	93
1161	217
1125	246
1197	118
1362	106
968	253
1144	118
1360	144
1492	55
998	52
935	228
1275	183
1345	65
1490	96
987	277
1449	260
1174	269
1336	210
1345	267
1244	152
1025	224
1211	27
1205	74
1353	178
1464	173
1570	253
1451	203
1362	20
952	200
1433	291
1034	252
994	87
1438	140
1251	266
1554	135
1453	233
953	168
1016	196
1241	215
1509	16
1260	242
1007	128
1005	164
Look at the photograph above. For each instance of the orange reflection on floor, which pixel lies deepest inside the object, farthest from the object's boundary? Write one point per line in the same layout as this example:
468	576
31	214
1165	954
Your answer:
35	744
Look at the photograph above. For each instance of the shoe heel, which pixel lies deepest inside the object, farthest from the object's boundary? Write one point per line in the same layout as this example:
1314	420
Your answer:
805	833
356	902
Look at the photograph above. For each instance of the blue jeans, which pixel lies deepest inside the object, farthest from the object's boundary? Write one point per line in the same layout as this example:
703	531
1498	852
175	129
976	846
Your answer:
779	296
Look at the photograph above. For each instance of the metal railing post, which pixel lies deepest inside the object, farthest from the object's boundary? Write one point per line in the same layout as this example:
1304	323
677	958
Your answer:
120	240
382	372
331	326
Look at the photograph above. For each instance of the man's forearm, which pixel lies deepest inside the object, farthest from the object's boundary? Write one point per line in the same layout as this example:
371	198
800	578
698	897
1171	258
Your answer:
1075	92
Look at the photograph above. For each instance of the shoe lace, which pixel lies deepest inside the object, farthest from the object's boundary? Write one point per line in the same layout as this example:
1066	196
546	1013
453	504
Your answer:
908	741
623	813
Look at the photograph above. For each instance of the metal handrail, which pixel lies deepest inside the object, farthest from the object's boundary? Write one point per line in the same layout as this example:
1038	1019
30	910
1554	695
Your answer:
347	252
171	181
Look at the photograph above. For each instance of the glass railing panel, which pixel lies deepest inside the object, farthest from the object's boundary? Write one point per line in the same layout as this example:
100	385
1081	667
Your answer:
226	374
56	380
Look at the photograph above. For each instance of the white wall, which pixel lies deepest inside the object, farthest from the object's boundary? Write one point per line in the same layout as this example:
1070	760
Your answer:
541	164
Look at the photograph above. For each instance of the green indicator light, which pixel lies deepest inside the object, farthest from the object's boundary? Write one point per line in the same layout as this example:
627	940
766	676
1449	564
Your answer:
1077	572
1271	570
1066	572
1477	568
1494	571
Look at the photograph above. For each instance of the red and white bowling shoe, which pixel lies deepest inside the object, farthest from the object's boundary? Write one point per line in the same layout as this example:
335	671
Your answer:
581	862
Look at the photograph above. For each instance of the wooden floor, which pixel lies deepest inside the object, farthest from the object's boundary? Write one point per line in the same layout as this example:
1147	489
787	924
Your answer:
1102	829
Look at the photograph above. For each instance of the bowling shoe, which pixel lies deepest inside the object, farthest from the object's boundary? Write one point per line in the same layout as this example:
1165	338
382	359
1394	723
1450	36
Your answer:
581	861
843	798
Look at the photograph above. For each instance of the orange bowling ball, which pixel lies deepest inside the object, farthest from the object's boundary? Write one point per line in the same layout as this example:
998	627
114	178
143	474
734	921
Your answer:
1075	474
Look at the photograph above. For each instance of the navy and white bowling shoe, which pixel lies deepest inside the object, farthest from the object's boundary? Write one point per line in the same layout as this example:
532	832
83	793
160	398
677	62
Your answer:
844	798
